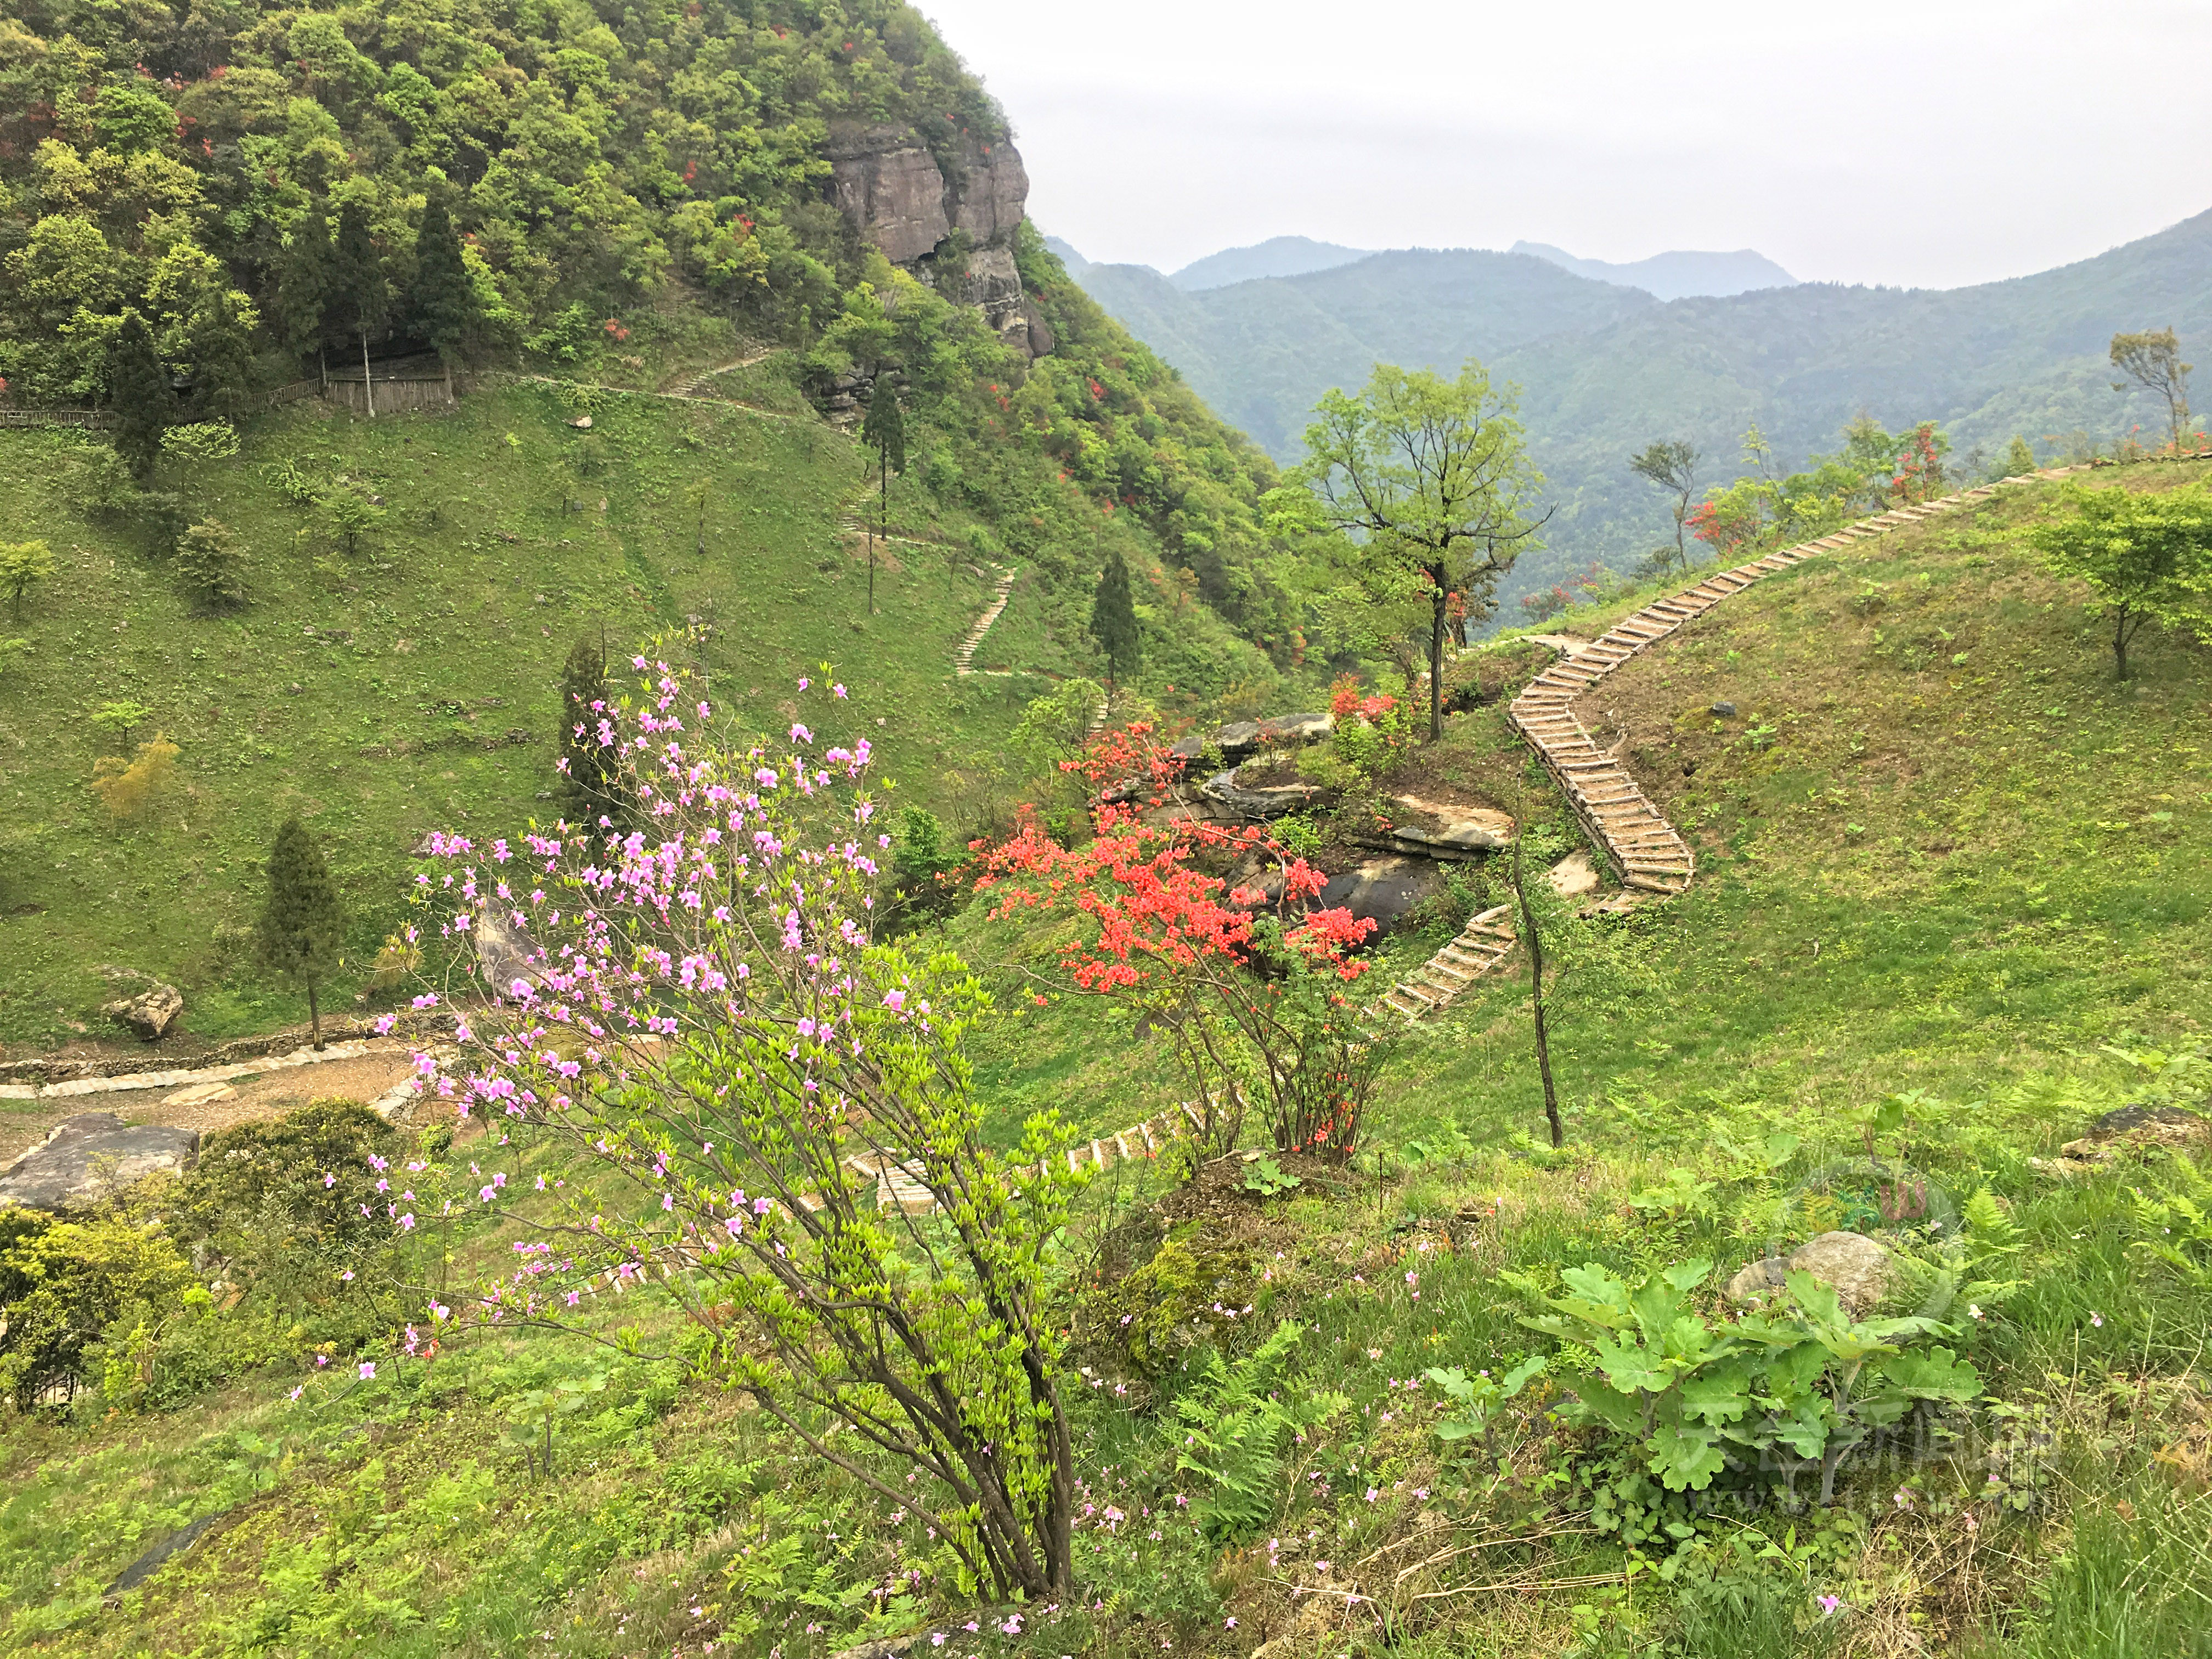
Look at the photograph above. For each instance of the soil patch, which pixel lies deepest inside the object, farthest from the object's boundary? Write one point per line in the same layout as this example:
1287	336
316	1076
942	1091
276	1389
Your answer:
24	1123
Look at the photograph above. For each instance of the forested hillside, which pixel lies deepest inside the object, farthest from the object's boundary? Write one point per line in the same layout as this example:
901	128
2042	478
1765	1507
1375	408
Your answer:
1605	370
744	218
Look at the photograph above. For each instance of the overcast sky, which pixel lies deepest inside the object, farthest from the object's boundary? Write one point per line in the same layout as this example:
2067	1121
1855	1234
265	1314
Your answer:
1930	143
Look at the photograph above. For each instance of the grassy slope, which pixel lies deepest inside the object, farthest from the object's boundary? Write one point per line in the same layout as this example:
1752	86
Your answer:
469	596
1978	848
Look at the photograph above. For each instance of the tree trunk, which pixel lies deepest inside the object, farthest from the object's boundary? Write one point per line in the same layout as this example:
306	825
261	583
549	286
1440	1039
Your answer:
2120	643
367	386
1536	940
314	1017
1436	659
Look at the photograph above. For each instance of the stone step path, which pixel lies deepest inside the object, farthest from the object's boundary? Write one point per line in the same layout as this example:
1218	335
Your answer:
183	1078
964	656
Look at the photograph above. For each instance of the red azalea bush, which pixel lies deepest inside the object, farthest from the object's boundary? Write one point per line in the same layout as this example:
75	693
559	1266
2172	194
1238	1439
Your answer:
1248	982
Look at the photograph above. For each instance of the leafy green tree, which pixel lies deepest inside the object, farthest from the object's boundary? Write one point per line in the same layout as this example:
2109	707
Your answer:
22	564
2144	556
1672	465
2019	459
589	789
885	430
306	268
1113	619
351	517
121	717
2153	361
212	564
301	927
358	290
1426	478
140	395
443	301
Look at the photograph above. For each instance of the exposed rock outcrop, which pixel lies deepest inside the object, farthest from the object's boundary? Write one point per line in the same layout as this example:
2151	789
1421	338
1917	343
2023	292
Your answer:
88	1156
894	192
887	184
1383	891
2131	1131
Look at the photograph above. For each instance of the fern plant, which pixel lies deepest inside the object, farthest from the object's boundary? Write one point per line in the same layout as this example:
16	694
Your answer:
1234	1425
2176	1224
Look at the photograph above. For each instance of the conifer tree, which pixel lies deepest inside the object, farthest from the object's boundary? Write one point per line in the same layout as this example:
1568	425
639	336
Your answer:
443	300
1114	618
587	791
2019	459
304	271
139	391
357	287
301	927
886	431
222	347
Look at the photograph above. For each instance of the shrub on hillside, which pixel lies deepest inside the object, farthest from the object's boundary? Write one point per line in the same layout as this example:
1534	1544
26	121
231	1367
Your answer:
292	1184
62	1282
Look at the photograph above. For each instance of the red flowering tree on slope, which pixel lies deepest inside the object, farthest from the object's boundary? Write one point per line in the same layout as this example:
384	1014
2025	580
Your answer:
1248	982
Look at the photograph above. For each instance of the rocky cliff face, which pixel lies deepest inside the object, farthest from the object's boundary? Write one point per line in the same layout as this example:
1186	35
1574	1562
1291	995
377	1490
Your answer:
893	191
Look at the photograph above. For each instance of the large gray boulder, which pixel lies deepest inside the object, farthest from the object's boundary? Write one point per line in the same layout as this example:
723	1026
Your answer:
150	1013
88	1157
1858	1267
1270	802
504	953
1383	891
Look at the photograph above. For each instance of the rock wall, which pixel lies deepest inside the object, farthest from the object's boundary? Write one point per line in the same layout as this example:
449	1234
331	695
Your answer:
893	193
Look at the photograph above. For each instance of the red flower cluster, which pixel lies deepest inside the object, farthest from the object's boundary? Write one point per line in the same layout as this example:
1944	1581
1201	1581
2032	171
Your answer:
1346	701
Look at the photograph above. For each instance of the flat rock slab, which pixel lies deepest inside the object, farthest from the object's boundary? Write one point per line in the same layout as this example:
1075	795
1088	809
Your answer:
1266	803
91	1154
1573	876
1383	891
1454	828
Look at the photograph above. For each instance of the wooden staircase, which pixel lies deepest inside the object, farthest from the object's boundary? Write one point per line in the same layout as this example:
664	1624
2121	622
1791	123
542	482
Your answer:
1482	944
1646	851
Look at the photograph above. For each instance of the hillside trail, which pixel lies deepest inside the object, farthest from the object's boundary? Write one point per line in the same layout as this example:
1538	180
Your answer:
964	655
680	396
1651	856
695	384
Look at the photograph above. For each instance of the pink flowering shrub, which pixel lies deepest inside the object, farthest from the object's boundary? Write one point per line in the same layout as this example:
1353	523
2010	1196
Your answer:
694	1020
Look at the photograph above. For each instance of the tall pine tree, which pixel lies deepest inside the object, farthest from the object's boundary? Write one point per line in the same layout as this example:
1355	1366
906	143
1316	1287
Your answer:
886	429
1113	619
588	790
139	392
305	269
357	287
442	303
301	928
223	356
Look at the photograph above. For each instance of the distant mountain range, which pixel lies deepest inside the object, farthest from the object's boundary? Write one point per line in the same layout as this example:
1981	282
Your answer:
1674	276
1604	368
